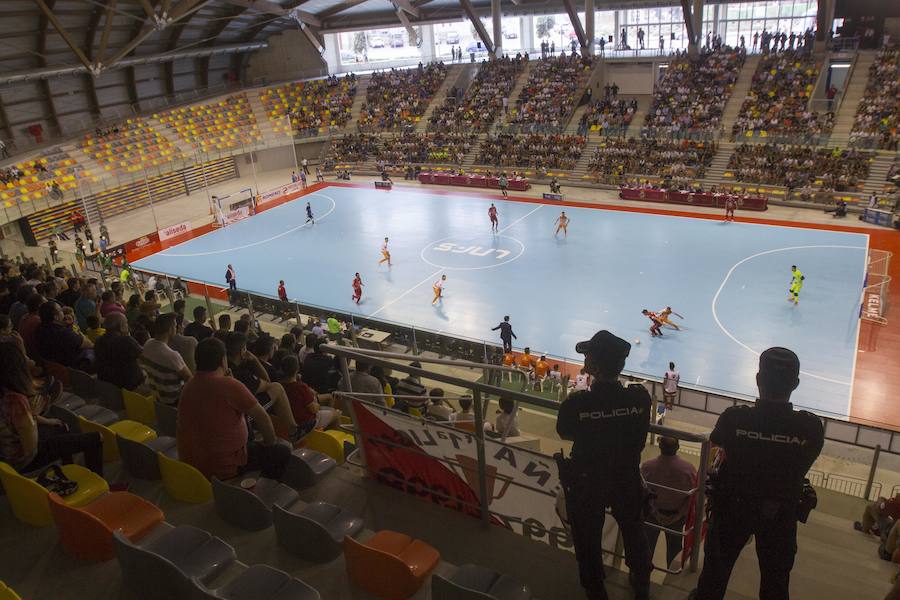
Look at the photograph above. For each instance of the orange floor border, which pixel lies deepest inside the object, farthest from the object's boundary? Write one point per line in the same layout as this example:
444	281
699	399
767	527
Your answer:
876	383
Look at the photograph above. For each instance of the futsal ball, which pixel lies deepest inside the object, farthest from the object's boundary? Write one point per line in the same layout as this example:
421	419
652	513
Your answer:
637	341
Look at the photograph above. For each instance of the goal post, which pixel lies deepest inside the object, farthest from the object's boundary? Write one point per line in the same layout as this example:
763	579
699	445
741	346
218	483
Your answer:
233	207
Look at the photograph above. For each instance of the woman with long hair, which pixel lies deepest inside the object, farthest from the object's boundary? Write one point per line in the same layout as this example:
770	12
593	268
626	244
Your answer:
28	441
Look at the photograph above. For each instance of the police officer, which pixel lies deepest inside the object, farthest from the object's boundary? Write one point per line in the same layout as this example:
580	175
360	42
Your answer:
759	489
608	425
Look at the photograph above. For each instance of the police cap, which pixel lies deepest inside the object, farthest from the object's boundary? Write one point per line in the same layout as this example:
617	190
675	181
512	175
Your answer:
605	346
779	363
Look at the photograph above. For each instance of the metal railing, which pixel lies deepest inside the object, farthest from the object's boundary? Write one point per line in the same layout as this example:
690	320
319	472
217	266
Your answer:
480	392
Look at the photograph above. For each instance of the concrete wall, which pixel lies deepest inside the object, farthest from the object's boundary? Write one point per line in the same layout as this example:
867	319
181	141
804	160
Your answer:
632	78
276	159
290	55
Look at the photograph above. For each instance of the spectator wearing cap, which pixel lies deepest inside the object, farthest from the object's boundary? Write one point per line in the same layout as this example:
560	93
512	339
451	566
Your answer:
759	489
608	426
665	474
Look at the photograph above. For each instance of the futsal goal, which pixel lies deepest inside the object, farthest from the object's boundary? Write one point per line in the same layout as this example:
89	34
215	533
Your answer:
233	207
875	298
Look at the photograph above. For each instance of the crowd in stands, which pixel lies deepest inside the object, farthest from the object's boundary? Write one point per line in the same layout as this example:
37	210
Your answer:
780	41
354	147
778	100
311	104
800	166
878	116
615	158
608	116
539	151
483	102
398	97
549	95
410	147
692	94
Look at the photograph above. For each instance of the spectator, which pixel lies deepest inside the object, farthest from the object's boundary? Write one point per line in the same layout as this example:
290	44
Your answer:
363	383
379	373
465	414
29	324
184	345
305	406
878	114
408	148
484	100
116	355
198	328
29	441
880	516
86	305
437	409
59	343
668	472
166	370
150	307
93	330
539	151
800	166
318	368
19	308
615	159
212	422
109	304
247	369
548	98
399	97
71	294
507	424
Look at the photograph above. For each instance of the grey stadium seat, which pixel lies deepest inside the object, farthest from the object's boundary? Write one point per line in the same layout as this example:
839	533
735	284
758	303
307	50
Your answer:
317	532
474	582
259	582
251	509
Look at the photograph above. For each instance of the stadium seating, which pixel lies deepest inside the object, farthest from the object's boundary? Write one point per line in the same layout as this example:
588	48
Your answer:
250	509
399	97
7	593
87	532
259	582
608	116
139	408
615	158
549	95
223	125
27	180
312	105
183	482
538	151
28	499
140	459
878	116
411	147
131	430
353	148
315	533
129	147
474	582
482	102
389	565
692	95
799	166
778	100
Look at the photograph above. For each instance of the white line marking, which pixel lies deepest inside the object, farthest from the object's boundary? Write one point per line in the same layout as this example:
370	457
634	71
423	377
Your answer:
539	207
438	272
758	254
259	242
862	297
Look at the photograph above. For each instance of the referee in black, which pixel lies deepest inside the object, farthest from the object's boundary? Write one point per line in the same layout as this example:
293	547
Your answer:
608	425
760	490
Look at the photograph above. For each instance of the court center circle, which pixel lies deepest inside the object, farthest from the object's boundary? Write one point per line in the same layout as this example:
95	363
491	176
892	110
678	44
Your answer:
472	253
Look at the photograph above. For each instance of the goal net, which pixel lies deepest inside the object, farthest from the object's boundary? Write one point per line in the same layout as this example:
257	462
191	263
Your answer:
233	207
876	293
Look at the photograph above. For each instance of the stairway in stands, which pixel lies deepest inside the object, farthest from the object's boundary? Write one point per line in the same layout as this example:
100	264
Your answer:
362	86
854	92
739	92
640	115
715	174
580	172
454	74
878	171
517	89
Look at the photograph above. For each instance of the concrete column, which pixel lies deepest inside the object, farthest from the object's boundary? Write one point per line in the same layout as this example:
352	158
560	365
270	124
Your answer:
698	20
589	25
427	49
498	28
527	32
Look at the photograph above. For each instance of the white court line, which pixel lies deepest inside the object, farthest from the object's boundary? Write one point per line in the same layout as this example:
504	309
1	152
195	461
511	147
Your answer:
758	254
862	297
438	272
540	206
260	242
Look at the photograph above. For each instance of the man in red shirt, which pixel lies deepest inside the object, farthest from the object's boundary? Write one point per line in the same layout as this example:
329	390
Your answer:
880	515
305	406
285	303
212	428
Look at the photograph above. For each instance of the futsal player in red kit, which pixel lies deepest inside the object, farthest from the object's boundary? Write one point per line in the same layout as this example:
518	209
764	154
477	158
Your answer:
357	288
492	214
730	207
285	304
655	323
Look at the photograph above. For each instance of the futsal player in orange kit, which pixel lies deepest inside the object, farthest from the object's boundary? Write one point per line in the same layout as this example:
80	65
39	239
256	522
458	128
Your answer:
385	253
438	287
563	226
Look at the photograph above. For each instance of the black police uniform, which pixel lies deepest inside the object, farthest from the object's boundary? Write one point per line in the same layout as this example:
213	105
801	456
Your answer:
609	425
768	450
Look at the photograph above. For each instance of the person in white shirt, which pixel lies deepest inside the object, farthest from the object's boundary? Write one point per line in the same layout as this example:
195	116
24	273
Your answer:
437	410
507	424
582	381
670	385
465	413
165	368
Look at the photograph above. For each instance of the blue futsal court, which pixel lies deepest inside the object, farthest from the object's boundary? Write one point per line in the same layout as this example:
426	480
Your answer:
728	280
